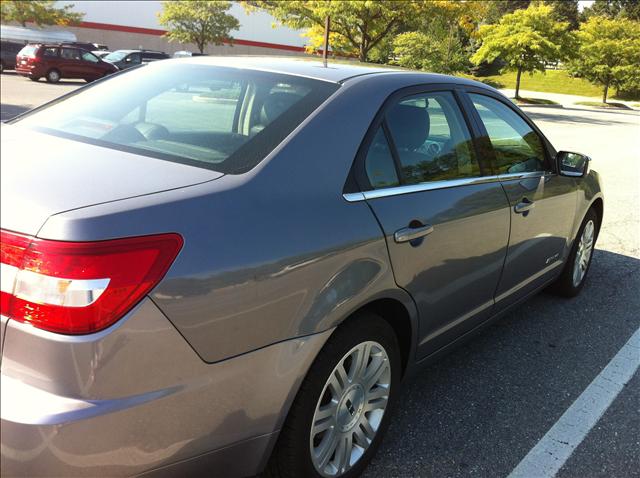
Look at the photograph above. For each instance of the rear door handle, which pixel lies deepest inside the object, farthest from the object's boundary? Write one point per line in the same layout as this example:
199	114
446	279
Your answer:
407	234
524	206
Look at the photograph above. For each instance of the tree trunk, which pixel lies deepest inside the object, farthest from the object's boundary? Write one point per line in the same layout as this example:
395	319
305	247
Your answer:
362	56
606	91
518	82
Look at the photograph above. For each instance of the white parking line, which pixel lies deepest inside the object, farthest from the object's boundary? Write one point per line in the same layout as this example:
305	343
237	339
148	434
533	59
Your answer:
554	449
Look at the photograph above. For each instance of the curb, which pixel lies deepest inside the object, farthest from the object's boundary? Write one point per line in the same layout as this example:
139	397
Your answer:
538	106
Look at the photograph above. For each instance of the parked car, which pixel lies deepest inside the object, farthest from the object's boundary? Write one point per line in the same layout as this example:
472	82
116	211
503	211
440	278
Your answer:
127	58
55	62
8	51
188	285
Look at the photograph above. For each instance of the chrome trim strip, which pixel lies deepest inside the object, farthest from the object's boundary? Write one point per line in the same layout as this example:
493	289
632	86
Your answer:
353	197
432	186
531	174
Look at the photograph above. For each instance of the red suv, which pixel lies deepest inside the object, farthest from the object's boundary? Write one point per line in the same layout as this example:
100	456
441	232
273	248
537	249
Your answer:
57	61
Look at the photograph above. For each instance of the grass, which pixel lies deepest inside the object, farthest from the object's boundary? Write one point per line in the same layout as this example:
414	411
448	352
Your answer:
601	104
553	81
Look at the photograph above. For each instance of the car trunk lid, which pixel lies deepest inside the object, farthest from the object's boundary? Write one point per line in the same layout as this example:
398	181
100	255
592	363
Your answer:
42	175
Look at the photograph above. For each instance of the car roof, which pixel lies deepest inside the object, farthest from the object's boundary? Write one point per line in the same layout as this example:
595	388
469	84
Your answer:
335	72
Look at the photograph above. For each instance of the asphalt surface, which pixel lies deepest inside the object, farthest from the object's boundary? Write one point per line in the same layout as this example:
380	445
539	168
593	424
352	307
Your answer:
478	411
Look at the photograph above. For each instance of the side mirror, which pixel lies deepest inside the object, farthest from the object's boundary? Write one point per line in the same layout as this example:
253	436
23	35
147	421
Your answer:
574	165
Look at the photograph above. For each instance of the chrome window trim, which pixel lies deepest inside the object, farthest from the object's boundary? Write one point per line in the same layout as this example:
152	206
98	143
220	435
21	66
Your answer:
415	188
435	185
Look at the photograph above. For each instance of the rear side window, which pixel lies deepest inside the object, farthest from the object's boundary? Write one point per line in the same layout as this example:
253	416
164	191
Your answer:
518	148
28	50
50	52
219	118
430	139
379	163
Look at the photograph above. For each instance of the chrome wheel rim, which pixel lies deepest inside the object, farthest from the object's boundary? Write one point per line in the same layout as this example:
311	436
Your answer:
54	76
350	409
583	254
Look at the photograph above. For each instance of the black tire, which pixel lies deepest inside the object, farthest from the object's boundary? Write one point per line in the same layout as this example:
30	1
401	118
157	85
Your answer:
1	66
34	78
291	457
564	285
53	76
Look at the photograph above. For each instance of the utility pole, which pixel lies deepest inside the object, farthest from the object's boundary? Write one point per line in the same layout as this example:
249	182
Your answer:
325	51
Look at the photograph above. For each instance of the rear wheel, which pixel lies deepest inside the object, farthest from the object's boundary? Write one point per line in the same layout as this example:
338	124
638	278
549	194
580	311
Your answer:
572	278
343	407
53	76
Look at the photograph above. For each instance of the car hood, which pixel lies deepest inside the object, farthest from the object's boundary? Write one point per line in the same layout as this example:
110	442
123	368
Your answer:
42	175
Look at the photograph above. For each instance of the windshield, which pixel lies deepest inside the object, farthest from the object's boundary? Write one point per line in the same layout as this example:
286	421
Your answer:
219	118
115	56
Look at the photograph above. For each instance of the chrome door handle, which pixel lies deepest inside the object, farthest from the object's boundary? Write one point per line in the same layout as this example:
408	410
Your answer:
407	234
524	206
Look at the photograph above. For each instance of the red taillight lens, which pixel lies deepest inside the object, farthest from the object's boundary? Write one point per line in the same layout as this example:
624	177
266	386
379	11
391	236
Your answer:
80	287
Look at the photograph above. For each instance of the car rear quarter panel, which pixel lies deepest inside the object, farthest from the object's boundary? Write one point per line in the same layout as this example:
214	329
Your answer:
272	254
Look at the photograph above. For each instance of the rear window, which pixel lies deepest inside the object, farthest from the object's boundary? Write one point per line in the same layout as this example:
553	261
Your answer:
28	50
220	118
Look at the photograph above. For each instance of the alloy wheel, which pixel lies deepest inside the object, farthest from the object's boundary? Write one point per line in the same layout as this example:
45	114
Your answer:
350	409
583	253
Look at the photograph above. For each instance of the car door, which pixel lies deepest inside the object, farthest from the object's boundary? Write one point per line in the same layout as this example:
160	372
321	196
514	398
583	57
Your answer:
445	222
70	64
90	65
542	202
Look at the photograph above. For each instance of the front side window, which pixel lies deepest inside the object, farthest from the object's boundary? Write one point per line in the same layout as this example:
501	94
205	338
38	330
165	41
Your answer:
518	148
431	139
219	118
86	56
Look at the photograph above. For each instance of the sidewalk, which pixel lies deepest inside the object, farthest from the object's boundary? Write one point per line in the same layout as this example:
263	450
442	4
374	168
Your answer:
562	99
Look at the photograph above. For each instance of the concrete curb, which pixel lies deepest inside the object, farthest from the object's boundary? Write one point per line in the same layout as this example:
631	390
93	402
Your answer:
539	106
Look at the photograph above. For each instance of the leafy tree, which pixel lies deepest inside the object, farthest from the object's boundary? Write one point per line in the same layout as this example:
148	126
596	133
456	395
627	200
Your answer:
442	36
609	53
629	9
40	12
566	11
526	40
198	21
357	27
496	9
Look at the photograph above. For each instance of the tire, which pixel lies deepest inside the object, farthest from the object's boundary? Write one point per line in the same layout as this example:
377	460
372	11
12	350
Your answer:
345	411
571	282
34	78
53	76
1	66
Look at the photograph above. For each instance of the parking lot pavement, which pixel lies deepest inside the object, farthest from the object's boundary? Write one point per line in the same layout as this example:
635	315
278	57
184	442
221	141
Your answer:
480	410
18	94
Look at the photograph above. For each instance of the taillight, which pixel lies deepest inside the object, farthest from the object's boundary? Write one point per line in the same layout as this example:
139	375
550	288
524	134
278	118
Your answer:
80	287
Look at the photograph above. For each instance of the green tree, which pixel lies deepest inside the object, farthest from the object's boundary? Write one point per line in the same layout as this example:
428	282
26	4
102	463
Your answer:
566	11
526	40
609	53
357	27
441	39
40	12
200	22
629	9
496	9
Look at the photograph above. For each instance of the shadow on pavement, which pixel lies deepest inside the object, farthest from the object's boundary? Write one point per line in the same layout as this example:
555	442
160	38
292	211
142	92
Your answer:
479	410
10	111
